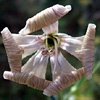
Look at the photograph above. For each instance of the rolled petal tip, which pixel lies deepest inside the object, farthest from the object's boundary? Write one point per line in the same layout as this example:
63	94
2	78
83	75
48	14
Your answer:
92	26
61	10
68	7
7	74
4	30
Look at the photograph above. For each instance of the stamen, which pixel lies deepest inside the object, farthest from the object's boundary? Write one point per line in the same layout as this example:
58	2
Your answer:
51	44
56	48
46	42
45	52
56	54
57	38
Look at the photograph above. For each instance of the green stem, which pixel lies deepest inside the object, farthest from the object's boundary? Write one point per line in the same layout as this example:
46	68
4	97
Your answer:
60	96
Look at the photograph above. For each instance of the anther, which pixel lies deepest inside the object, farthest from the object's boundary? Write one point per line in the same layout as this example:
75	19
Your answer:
45	52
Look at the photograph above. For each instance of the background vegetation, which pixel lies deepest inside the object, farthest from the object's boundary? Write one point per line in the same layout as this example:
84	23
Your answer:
14	13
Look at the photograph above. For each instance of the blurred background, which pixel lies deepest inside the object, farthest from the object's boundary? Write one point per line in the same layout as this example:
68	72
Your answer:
14	13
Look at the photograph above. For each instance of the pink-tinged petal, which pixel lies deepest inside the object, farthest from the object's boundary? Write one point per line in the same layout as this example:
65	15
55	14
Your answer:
64	81
13	51
37	64
86	54
28	79
60	66
53	28
61	10
29	43
45	18
21	40
30	48
72	44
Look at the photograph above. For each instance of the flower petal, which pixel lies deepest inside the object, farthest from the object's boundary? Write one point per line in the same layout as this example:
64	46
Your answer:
13	51
53	28
60	66
72	44
20	40
29	43
31	48
86	54
45	18
27	79
64	81
36	64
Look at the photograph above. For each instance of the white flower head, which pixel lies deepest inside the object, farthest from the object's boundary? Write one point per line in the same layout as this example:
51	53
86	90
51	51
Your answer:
48	46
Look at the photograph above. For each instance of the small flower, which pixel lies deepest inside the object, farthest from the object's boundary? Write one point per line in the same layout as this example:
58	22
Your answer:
48	46
18	47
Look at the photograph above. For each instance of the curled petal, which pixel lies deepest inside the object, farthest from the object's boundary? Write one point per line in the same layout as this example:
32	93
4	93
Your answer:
64	81
28	79
53	28
13	51
45	18
86	54
60	66
36	64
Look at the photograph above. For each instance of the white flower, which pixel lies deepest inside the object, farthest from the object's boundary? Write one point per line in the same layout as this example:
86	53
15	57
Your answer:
47	46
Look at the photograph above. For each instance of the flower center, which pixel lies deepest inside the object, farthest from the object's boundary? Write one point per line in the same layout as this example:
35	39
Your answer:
51	42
